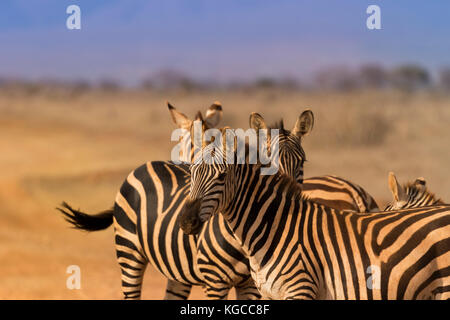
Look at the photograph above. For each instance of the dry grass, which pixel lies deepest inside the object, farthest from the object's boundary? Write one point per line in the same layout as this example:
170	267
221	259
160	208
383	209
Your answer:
79	147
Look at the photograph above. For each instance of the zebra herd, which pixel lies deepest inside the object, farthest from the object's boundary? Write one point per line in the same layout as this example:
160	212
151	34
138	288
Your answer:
224	226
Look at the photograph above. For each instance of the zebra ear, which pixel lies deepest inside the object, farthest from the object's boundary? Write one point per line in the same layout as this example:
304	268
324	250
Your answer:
213	115
198	116
396	189
257	121
304	124
179	118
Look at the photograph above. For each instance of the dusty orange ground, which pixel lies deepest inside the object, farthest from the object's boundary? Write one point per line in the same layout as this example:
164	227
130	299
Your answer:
40	169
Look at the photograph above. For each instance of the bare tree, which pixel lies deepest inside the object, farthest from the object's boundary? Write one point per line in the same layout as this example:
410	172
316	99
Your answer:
265	83
169	79
444	79
410	77
337	78
373	76
109	85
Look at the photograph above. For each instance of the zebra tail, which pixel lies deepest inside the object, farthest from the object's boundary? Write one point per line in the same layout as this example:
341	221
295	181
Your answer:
84	221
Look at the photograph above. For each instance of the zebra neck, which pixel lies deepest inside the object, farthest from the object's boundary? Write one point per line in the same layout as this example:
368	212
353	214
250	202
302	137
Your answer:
261	207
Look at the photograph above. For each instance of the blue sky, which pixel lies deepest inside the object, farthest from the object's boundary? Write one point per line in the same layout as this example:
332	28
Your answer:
129	40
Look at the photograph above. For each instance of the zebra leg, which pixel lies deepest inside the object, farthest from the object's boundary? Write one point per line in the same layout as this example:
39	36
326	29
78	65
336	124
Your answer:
177	291
217	289
132	277
247	290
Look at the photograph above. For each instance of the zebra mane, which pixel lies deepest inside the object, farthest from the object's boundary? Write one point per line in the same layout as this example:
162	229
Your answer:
415	190
280	126
291	187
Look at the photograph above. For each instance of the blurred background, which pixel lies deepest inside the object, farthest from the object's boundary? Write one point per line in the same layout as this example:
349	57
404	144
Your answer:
79	109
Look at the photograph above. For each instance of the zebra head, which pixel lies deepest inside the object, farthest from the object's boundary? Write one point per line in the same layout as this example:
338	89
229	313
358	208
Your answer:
291	154
212	118
411	195
207	190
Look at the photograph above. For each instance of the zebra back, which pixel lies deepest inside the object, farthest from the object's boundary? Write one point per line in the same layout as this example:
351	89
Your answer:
338	193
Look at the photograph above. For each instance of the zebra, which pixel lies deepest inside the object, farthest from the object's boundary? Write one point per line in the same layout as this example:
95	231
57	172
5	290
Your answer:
146	214
299	249
125	218
410	195
339	193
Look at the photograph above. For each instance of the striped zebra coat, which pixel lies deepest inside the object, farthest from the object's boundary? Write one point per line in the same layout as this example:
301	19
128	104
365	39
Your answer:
220	253
299	249
339	193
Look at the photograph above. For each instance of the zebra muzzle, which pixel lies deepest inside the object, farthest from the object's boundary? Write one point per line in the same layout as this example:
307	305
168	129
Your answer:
190	222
